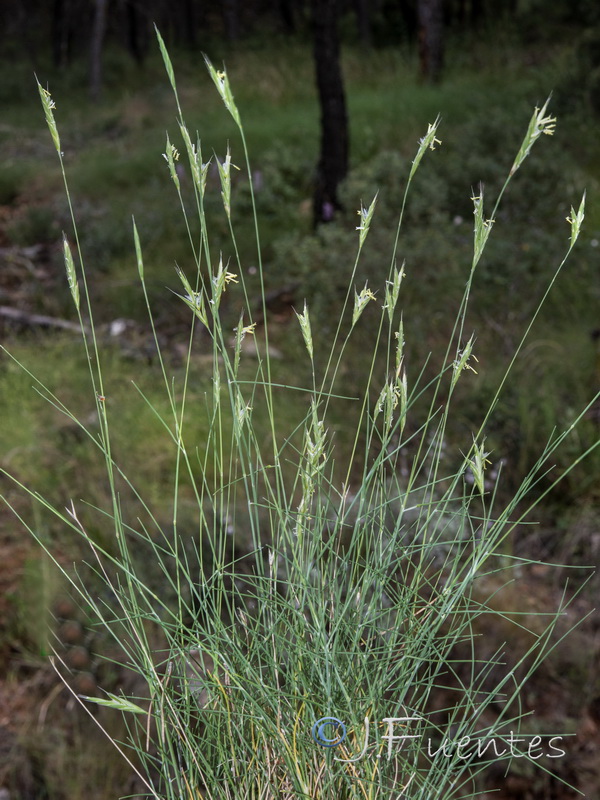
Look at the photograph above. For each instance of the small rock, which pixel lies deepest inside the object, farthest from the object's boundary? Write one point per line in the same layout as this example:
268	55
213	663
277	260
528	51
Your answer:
85	684
65	608
78	658
71	632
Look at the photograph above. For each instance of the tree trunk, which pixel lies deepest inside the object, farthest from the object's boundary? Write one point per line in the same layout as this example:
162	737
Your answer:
286	15
25	18
409	18
60	33
431	39
333	162
137	32
98	31
190	22
363	22
230	17
183	22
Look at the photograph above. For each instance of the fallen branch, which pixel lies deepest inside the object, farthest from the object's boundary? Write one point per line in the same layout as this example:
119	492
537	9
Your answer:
41	320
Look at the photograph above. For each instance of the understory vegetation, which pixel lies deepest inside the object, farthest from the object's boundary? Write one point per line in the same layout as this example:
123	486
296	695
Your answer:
281	479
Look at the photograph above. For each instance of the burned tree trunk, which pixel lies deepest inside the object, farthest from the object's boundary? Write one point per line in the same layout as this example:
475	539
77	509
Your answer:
333	162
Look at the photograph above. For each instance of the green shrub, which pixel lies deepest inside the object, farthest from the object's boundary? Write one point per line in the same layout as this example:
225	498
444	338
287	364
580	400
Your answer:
11	182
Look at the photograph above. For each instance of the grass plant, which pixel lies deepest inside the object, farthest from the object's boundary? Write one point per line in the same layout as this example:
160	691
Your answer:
279	584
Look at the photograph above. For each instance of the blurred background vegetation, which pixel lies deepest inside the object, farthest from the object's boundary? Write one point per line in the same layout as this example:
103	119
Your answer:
482	65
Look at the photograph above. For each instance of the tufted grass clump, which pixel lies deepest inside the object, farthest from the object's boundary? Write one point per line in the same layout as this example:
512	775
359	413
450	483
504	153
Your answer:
308	624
